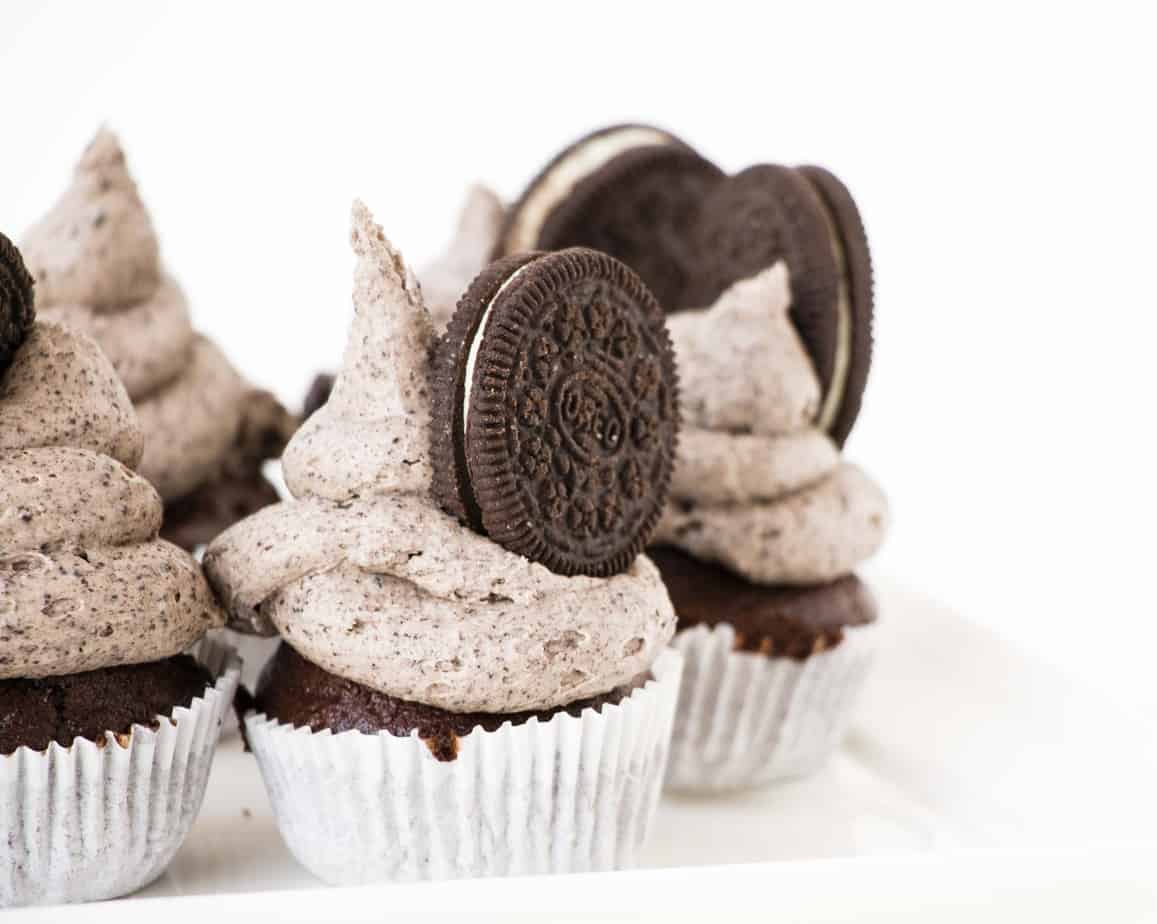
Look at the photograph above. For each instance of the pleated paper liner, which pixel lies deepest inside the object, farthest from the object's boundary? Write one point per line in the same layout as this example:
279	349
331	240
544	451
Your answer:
95	821
571	794
746	719
255	651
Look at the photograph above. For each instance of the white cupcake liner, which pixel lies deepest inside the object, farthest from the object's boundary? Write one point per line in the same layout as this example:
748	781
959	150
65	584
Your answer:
746	719
95	821
255	651
570	794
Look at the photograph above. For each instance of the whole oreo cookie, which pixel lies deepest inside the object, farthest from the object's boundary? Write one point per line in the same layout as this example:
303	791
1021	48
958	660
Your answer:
555	410
17	311
840	410
631	191
806	218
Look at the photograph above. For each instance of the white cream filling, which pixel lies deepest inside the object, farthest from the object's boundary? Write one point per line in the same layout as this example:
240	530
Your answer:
476	345
843	360
558	182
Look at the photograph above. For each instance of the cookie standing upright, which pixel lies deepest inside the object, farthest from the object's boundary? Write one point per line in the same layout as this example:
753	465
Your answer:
807	218
556	410
631	191
644	196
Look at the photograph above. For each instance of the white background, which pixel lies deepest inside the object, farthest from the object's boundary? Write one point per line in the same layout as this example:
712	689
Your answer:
1003	163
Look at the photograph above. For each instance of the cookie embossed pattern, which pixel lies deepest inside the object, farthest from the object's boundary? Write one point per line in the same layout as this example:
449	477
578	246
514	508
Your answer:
568	410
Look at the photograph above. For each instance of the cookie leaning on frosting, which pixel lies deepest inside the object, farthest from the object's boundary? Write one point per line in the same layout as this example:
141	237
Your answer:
445	665
96	260
96	613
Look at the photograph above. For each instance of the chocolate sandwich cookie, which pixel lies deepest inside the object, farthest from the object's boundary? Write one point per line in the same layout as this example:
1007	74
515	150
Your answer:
806	218
792	622
555	410
17	312
631	191
34	713
295	691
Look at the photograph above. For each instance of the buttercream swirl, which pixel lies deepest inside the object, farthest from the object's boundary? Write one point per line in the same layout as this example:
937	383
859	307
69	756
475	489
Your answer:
367	578
97	266
757	487
84	582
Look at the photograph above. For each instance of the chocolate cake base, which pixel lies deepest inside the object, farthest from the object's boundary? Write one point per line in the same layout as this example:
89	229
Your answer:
792	622
34	713
297	692
238	489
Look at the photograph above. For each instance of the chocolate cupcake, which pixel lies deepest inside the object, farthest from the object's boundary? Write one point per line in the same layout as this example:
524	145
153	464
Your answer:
758	548
107	725
434	685
97	266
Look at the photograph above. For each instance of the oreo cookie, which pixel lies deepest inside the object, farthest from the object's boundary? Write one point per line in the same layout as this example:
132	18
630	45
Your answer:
806	218
17	310
555	410
788	622
631	191
842	402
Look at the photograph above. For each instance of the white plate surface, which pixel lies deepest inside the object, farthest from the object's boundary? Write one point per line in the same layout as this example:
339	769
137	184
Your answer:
961	743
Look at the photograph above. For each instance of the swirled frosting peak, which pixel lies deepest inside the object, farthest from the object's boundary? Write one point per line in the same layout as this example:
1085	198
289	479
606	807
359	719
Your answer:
97	265
367	578
757	486
96	246
372	435
84	582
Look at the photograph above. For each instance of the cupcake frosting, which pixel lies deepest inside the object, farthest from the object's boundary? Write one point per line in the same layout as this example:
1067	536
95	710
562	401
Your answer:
97	266
447	277
84	582
366	577
757	486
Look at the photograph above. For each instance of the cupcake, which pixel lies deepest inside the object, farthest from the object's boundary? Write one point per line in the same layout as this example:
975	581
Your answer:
97	267
107	725
766	279
444	704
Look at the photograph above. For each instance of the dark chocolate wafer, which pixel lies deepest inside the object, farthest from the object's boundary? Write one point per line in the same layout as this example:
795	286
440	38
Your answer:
17	312
640	206
555	410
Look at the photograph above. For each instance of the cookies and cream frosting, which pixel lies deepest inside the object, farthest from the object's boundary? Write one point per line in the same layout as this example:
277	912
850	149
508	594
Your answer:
367	578
84	581
97	267
758	486
446	278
